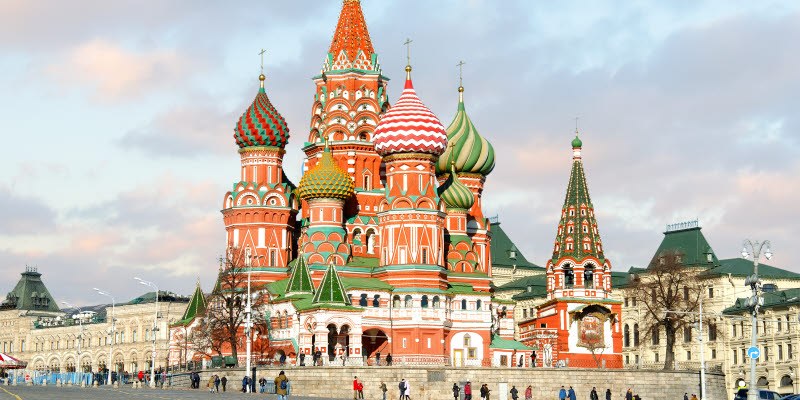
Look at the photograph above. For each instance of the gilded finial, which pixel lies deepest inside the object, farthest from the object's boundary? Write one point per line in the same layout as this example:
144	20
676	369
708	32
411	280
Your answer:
408	57
576	126
460	66
262	77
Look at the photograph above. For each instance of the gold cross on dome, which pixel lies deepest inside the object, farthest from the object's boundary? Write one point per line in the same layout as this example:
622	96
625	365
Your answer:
408	50
576	125
261	53
460	71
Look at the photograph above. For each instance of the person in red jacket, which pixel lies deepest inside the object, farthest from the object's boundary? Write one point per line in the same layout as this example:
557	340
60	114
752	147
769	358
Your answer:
355	388
360	390
141	376
468	391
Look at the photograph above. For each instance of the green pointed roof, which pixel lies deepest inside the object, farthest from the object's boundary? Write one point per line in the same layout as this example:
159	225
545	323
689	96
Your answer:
690	244
577	209
468	149
454	193
197	306
30	293
505	253
331	290
300	279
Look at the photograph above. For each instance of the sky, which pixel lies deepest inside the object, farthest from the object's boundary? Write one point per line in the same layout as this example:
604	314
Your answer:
117	121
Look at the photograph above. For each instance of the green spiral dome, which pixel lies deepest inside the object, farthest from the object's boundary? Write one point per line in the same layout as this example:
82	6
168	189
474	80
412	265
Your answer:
470	151
454	193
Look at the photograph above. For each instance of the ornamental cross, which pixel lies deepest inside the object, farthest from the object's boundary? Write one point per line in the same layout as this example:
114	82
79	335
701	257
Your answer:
576	125
261	53
460	71
408	50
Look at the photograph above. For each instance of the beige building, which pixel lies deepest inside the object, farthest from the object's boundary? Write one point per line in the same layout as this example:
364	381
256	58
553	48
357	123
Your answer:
34	329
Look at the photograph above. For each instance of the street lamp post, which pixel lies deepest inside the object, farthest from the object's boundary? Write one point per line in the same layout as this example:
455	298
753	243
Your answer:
754	302
248	325
702	347
111	333
154	330
80	329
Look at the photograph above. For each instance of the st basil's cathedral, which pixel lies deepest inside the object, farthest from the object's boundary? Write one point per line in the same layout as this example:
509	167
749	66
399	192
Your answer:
382	247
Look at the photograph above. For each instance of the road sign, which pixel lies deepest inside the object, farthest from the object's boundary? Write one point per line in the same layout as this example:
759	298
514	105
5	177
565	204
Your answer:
753	352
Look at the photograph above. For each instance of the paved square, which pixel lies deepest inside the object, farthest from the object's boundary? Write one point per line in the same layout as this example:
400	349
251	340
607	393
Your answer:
77	393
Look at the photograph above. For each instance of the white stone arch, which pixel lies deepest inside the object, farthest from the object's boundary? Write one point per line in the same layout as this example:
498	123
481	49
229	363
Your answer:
279	200
54	360
242	199
458	348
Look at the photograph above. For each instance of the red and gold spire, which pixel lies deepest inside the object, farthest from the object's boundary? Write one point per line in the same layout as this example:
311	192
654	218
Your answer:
351	47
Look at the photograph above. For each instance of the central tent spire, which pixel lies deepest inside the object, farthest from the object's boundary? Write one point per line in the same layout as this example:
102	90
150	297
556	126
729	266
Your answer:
351	46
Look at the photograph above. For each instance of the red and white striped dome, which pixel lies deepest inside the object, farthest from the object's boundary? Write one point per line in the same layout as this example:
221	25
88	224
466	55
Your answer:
409	127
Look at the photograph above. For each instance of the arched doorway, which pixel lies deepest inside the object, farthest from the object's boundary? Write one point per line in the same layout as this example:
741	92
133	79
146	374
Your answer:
374	341
344	340
332	334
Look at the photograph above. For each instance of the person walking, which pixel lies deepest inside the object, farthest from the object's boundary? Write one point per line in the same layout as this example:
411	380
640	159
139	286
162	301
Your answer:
360	390
685	395
224	382
488	392
164	377
216	383
383	390
483	392
571	394
389	359
262	385
302	359
562	394
283	359
608	394
468	391
593	394
402	387
514	393
408	390
210	384
377	358
528	393
694	397
456	391
355	388
244	384
629	395
141	376
282	386
318	358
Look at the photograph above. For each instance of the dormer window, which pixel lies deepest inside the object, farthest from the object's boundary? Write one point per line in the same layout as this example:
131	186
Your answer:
587	246
583	212
512	254
709	257
585	229
569	246
571	212
570	229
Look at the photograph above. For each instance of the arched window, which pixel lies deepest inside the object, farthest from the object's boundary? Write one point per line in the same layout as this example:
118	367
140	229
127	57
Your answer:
463	304
569	277
424	303
363	301
396	301
635	335
435	301
408	301
478	305
467	340
588	277
376	301
626	336
367	182
786	380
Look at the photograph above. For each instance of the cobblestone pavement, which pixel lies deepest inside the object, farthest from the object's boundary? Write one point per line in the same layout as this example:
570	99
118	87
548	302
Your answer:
77	393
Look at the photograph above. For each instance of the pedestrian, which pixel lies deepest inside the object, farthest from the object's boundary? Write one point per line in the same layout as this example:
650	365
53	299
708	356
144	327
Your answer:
629	395
283	359
244	384
571	394
694	397
487	391
456	391
282	386
514	393
224	382
302	359
483	392
593	394
402	387
608	394
383	390
562	394
533	359
389	359
528	393
318	356
141	376
468	391
378	358
164	378
216	383
360	390
355	388
262	384
685	396
408	390
210	384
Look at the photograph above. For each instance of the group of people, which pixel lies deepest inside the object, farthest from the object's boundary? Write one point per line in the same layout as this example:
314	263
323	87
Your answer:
563	394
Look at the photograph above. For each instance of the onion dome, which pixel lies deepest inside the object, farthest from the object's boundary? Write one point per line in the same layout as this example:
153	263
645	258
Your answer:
576	143
409	126
261	124
326	179
454	193
468	149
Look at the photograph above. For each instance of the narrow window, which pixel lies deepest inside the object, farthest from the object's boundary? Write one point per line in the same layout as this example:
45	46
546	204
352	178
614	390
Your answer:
463	304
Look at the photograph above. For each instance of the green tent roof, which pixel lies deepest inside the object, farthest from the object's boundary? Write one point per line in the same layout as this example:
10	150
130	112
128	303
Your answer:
507	344
505	253
300	279
197	305
331	290
742	268
691	245
30	293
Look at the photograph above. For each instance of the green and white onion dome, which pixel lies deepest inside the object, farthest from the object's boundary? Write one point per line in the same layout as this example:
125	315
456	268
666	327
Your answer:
454	193
468	149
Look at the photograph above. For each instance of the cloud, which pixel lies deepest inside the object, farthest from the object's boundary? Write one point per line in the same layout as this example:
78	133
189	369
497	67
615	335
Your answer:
21	214
115	73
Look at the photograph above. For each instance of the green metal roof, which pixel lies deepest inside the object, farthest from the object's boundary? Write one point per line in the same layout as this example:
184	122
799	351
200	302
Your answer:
690	244
524	282
743	268
30	293
620	279
331	290
300	279
505	253
781	298
366	283
197	305
506	344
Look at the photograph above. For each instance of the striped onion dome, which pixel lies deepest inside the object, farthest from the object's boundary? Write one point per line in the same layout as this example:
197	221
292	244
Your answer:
326	180
261	124
469	150
409	126
454	193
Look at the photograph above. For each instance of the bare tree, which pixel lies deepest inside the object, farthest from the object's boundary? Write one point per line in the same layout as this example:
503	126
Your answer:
667	285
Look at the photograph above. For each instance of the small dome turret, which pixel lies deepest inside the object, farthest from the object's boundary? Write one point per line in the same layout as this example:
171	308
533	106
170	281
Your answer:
468	149
454	193
261	124
326	180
